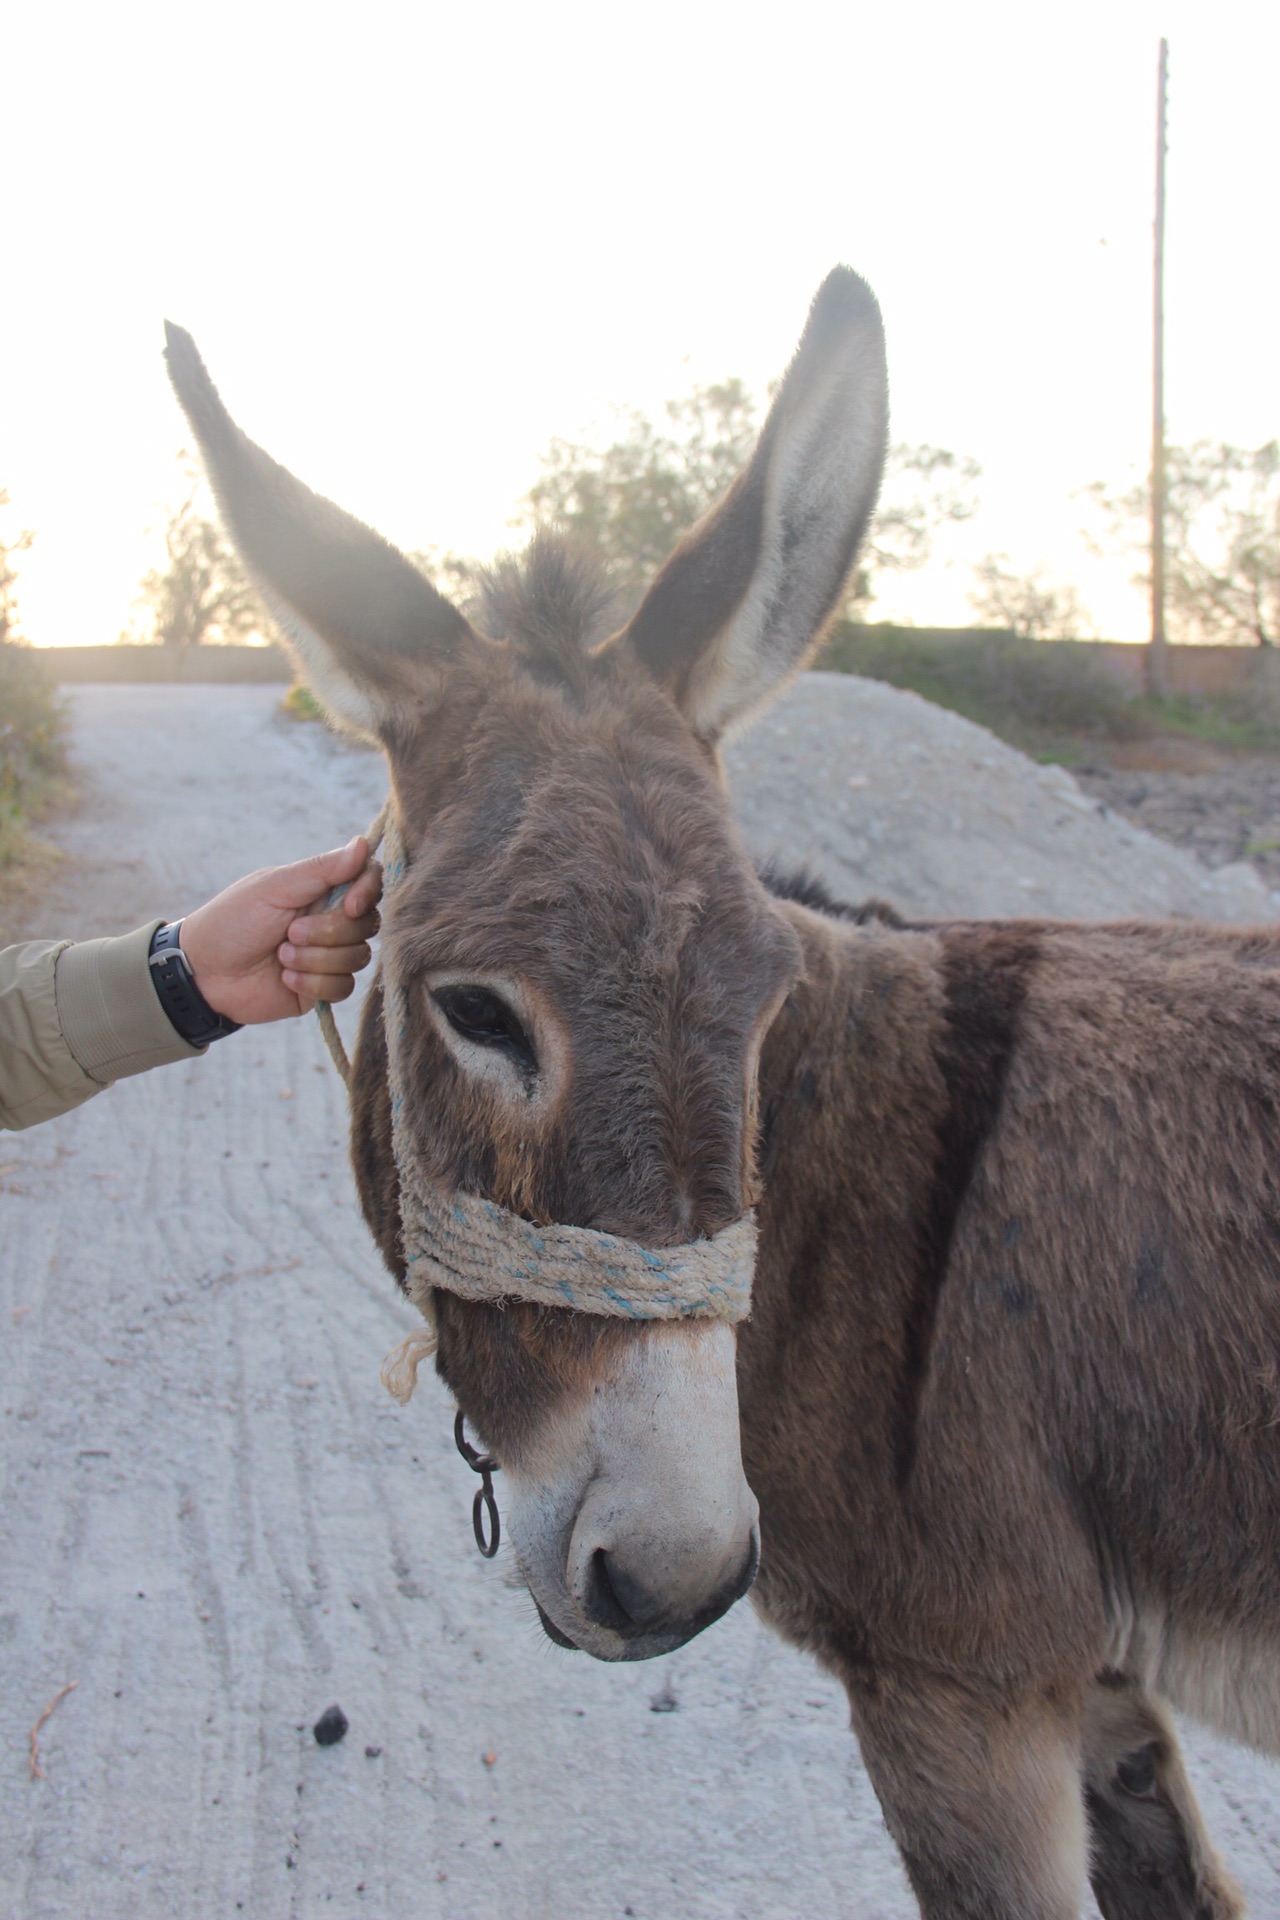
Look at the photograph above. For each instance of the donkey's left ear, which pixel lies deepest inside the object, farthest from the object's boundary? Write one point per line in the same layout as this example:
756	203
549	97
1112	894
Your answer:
744	599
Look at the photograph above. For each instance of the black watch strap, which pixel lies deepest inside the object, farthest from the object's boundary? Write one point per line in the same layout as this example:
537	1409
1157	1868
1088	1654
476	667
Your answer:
190	1014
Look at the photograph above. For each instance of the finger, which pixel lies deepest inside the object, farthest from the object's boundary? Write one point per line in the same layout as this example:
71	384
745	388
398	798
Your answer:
311	987
364	892
323	960
331	929
307	881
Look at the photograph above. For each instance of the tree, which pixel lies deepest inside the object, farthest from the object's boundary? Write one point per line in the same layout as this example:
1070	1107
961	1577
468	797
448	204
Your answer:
1222	539
1026	603
925	489
10	546
452	574
632	499
203	590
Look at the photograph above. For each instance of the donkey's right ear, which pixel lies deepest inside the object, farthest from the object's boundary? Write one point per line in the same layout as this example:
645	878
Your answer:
362	620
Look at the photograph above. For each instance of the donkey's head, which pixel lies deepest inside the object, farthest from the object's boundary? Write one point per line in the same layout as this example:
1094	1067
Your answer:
585	958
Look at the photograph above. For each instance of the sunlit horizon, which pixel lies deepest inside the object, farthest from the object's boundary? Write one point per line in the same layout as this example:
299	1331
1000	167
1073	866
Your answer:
415	250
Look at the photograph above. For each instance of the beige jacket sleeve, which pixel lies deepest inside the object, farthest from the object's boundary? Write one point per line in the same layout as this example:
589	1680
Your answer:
73	1018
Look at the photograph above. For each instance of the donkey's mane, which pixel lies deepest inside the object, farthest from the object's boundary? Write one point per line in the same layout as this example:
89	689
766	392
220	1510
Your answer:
808	891
553	604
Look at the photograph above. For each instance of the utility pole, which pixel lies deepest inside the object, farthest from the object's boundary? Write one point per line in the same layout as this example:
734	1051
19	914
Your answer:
1157	662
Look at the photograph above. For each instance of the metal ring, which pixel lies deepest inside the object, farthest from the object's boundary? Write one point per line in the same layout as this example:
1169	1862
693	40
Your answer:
485	1506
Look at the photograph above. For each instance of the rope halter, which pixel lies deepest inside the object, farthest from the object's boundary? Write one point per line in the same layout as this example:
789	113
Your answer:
481	1251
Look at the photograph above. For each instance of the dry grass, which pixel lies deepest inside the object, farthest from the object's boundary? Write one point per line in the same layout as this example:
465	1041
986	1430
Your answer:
32	863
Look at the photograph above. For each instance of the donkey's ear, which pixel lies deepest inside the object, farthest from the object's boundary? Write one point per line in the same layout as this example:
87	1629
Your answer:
362	620
746	595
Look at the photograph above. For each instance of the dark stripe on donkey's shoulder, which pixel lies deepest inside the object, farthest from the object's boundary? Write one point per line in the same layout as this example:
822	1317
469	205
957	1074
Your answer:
986	972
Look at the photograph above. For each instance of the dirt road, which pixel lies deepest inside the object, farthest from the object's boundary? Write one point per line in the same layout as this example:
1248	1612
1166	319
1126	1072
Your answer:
216	1523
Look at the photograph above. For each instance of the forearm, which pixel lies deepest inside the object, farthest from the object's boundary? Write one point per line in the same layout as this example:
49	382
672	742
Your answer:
73	1018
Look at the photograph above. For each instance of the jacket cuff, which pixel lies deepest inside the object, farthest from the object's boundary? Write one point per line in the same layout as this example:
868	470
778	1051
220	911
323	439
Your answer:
109	1011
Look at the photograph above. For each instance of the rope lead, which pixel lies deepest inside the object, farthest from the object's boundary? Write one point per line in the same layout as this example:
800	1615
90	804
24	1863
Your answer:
324	1012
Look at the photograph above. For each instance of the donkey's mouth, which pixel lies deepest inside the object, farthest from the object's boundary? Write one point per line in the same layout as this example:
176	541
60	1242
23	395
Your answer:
553	1632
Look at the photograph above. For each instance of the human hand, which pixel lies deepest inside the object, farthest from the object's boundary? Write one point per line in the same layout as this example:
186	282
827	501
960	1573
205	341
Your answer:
264	950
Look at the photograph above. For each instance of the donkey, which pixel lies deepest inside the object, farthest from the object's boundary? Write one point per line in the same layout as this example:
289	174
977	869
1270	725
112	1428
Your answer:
1003	1428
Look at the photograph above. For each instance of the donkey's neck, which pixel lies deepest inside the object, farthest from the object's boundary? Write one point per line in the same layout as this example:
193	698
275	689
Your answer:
851	1060
854	1101
881	1086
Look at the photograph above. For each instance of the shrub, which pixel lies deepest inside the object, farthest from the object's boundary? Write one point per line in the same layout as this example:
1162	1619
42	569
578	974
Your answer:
301	704
32	744
1023	690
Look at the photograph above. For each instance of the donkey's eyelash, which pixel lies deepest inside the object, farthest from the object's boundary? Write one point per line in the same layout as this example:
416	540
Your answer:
478	1015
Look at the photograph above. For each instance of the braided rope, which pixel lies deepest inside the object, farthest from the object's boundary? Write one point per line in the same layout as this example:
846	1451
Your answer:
324	1011
481	1251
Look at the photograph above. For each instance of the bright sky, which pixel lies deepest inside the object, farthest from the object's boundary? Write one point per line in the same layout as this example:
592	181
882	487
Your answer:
416	241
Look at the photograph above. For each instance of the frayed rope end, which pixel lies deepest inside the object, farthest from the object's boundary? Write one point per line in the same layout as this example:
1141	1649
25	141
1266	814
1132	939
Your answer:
400	1368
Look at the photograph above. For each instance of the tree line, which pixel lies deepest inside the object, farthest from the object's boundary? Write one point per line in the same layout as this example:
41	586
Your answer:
632	496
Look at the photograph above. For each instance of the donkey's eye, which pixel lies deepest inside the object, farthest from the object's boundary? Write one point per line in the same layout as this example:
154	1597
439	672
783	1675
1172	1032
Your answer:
482	1017
1136	1773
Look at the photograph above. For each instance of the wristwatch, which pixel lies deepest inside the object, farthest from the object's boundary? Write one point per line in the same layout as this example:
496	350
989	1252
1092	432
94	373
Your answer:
190	1014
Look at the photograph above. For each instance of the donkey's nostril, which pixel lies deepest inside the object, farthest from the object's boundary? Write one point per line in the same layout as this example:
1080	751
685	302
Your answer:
612	1598
615	1598
640	1607
621	1594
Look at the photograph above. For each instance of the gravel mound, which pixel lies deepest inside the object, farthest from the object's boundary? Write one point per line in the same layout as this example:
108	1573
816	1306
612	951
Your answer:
881	793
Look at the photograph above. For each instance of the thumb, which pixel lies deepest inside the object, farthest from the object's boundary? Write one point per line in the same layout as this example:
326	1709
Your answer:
306	880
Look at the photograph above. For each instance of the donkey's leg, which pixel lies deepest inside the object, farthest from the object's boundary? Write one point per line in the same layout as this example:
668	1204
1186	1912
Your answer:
1151	1858
982	1794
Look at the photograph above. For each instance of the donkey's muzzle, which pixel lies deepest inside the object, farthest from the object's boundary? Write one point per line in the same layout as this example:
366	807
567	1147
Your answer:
660	1534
